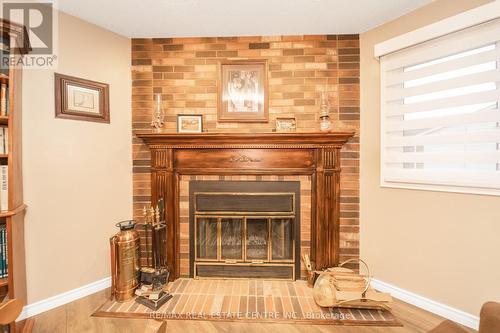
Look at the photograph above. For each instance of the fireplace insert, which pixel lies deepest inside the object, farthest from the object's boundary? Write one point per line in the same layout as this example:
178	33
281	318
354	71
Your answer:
245	229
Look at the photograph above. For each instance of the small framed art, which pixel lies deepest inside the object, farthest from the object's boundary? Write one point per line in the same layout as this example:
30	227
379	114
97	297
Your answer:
286	124
189	123
81	99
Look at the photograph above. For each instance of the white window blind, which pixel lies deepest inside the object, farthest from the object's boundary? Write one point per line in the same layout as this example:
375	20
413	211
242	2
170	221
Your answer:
440	113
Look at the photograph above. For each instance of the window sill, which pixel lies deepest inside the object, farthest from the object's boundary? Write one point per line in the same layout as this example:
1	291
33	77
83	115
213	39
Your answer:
441	188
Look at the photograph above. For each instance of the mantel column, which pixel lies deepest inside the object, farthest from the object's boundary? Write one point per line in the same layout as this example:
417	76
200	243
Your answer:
164	185
325	229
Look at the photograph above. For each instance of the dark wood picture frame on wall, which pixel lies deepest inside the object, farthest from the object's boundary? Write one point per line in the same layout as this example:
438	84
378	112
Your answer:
81	99
243	91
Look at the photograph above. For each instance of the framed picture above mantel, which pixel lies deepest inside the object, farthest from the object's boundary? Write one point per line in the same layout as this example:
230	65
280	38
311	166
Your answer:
243	95
81	99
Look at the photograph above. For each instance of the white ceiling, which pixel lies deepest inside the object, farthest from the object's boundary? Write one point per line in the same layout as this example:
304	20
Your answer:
190	18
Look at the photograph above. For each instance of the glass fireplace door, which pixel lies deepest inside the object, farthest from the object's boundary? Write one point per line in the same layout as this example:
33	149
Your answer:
231	239
257	239
207	238
282	245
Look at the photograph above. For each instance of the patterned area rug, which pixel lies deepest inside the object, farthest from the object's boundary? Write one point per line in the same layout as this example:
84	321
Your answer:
246	300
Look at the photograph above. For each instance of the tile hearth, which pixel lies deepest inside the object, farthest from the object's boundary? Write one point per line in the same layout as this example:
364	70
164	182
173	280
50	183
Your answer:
246	300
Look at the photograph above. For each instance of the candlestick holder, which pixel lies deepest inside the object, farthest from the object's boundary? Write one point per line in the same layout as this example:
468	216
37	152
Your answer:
158	118
325	124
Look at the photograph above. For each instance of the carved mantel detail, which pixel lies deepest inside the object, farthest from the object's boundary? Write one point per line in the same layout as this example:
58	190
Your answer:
315	154
243	158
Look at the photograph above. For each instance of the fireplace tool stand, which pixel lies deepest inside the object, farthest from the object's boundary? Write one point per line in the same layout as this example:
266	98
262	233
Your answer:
154	275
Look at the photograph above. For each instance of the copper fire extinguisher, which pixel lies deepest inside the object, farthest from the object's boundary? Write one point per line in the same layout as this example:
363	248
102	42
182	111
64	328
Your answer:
125	267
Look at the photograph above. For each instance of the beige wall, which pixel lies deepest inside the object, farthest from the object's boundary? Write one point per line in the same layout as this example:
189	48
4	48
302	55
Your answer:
443	246
77	175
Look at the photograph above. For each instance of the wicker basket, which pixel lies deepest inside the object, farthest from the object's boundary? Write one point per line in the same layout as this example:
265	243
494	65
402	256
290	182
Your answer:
342	287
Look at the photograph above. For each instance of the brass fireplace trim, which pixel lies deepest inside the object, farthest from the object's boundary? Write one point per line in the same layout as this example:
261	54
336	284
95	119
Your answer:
195	276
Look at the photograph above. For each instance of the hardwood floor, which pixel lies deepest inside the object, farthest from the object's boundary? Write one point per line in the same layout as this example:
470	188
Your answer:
75	318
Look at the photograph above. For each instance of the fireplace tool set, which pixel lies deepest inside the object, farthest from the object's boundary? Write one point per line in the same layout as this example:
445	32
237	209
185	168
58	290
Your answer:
148	282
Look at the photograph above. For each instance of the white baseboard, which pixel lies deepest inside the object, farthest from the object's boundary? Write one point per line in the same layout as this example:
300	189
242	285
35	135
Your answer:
439	309
50	303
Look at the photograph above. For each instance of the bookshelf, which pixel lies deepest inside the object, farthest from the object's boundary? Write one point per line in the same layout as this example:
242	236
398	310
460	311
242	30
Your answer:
13	285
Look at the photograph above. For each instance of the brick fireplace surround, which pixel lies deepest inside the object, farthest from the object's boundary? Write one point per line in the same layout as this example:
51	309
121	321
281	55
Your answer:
184	70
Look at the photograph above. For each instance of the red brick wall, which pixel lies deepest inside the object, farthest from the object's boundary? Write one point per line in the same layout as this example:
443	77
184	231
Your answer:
184	71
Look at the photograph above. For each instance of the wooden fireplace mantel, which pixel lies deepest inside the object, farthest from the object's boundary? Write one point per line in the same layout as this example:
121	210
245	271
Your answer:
314	154
222	140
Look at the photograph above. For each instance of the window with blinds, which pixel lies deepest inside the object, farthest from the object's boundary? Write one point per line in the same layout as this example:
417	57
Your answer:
440	113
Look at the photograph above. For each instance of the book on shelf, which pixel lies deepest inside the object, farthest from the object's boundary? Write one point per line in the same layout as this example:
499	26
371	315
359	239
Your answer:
4	272
4	99
4	187
4	140
4	52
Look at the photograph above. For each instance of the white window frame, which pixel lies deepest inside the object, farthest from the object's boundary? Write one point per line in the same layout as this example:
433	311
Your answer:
442	28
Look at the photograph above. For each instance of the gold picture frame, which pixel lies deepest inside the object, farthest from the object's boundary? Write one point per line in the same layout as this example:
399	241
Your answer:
243	91
81	99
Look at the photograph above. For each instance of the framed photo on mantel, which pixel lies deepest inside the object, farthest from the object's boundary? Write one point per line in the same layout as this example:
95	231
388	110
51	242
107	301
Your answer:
81	99
189	123
243	91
